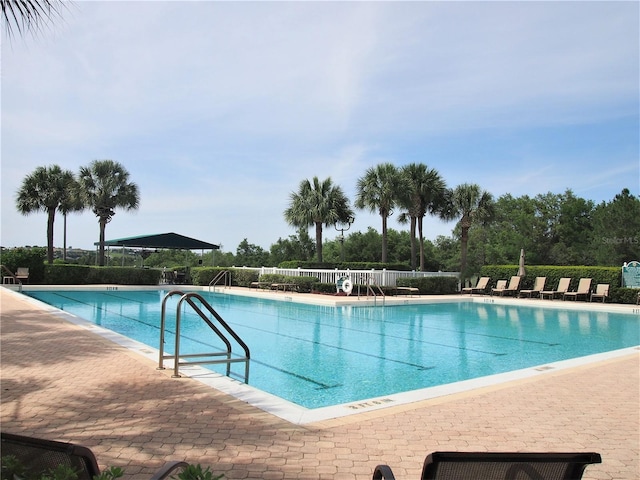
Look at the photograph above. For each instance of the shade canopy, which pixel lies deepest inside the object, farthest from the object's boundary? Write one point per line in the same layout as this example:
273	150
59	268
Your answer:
163	240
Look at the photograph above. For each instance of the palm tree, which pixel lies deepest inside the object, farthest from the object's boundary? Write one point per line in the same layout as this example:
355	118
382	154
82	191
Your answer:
378	190
317	203
424	192
29	14
46	189
105	186
472	205
72	202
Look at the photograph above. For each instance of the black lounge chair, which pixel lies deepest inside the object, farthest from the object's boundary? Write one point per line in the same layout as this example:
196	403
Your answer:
500	466
41	456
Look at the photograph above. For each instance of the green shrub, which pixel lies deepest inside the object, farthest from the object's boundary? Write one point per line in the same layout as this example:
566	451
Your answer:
57	274
431	285
324	288
273	278
243	277
624	295
31	258
303	284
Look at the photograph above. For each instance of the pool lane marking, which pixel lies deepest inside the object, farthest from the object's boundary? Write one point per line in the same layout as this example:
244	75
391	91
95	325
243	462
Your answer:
341	327
418	366
428	327
455	347
319	385
315	342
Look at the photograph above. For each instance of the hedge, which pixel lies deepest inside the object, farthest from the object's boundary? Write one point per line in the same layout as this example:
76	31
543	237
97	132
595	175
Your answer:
303	284
31	258
239	276
431	285
61	274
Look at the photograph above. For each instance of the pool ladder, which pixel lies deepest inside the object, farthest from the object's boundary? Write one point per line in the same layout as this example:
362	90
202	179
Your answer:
225	276
217	325
374	290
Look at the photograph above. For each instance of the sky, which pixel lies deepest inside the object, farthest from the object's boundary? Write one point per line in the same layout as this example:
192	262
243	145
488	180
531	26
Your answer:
219	110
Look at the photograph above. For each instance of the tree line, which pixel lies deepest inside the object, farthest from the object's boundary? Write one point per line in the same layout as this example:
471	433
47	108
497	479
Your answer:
553	229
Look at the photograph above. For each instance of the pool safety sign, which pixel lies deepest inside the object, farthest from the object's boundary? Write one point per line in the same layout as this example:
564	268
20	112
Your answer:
631	275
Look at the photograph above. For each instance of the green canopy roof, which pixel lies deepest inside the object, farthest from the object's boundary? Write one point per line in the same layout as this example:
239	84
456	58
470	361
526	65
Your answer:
163	240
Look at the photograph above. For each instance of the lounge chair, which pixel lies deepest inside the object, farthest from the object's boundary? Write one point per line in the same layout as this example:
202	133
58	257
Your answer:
480	287
563	286
538	286
584	289
500	466
511	289
22	274
501	284
41	456
602	291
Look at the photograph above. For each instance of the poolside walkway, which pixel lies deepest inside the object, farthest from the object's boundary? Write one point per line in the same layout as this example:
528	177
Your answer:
60	381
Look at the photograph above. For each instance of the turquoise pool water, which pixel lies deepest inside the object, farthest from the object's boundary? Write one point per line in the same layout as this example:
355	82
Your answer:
318	356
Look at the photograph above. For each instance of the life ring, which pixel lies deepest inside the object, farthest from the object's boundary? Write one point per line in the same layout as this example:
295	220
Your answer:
347	286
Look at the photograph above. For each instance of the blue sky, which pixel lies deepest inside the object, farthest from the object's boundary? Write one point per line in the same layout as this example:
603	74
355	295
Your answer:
219	109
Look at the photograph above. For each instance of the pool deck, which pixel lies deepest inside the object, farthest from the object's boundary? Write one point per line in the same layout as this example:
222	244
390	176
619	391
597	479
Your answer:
61	381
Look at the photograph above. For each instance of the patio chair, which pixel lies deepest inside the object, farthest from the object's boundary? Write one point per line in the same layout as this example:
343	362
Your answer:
584	289
511	289
563	286
500	466
480	287
538	286
41	456
22	274
602	291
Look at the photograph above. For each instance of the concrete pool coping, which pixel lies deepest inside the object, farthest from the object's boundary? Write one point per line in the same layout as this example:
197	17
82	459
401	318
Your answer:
298	415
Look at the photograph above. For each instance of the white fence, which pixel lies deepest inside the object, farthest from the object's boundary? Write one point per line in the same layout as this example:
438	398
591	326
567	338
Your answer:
383	278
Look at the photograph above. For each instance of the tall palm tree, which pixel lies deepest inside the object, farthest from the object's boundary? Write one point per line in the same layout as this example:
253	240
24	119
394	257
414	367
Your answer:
317	203
424	192
378	190
472	205
105	186
72	202
46	189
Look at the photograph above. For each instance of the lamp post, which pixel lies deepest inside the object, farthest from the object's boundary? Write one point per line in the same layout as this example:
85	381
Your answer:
343	227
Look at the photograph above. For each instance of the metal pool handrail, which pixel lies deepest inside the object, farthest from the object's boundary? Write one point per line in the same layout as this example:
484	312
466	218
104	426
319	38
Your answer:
189	298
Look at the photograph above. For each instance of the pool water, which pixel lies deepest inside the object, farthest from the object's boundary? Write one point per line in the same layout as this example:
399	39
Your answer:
317	356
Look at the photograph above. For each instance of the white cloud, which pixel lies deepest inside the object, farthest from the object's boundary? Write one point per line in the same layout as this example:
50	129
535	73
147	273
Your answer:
219	109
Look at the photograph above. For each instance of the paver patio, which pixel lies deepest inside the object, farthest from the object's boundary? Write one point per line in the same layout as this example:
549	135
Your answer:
62	382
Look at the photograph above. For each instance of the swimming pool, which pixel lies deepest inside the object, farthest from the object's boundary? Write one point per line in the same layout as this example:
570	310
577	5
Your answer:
320	356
